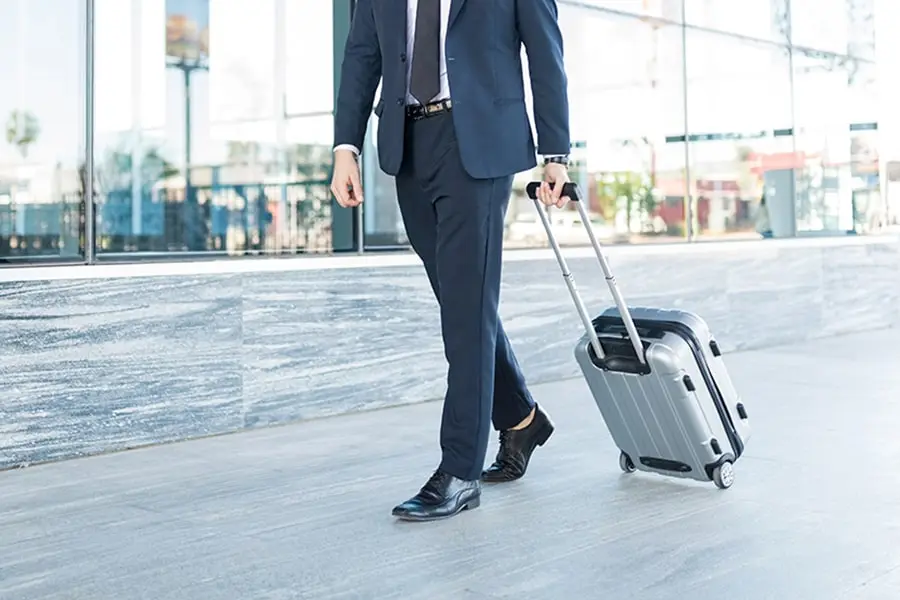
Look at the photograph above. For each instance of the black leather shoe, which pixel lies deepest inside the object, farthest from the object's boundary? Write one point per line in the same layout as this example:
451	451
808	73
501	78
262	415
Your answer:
516	447
443	496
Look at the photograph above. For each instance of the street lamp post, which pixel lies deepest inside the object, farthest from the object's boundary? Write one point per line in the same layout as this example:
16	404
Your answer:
195	235
187	50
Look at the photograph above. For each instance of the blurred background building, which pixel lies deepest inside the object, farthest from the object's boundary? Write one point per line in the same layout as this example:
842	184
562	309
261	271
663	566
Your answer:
204	126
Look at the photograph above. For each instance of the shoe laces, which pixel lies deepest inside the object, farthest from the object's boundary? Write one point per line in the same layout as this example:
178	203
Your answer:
505	453
436	479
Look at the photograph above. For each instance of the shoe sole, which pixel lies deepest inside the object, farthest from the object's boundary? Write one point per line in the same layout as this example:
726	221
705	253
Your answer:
470	505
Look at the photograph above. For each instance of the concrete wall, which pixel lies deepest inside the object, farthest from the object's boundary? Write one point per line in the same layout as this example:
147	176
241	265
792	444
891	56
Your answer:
102	358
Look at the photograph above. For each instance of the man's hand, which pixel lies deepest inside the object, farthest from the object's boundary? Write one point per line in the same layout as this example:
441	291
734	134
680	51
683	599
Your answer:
555	177
345	183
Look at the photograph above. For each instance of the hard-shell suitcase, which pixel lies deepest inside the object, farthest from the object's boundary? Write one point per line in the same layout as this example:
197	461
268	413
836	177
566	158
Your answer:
659	380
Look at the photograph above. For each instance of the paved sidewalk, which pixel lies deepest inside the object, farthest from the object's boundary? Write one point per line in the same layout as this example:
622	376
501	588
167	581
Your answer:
304	511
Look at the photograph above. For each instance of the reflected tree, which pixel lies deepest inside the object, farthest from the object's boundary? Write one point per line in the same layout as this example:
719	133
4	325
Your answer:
629	192
117	169
126	208
243	153
300	199
311	161
22	130
311	164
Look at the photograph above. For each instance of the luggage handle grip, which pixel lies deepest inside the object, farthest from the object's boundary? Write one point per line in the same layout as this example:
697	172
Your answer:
572	192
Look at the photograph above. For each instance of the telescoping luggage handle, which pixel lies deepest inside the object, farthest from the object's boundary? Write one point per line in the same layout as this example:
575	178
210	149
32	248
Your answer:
571	191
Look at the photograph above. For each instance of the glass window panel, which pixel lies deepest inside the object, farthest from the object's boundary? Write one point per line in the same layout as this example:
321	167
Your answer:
382	223
309	84
664	9
739	119
623	108
869	207
242	62
763	19
195	150
820	24
888	71
42	73
824	139
861	36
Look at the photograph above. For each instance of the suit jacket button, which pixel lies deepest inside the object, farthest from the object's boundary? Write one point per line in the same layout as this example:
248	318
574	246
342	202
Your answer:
403	57
399	101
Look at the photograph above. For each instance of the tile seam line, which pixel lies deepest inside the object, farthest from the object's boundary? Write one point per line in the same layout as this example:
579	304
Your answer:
363	411
259	266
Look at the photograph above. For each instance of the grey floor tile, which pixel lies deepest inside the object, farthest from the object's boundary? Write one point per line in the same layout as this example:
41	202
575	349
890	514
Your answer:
303	511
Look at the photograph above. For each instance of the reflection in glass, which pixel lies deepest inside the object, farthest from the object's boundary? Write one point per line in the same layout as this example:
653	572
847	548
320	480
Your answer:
739	121
663	9
821	24
762	19
42	109
870	211
382	223
208	134
838	184
624	106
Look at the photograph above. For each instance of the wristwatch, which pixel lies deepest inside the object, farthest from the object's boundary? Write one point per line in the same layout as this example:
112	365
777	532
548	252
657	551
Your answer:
563	160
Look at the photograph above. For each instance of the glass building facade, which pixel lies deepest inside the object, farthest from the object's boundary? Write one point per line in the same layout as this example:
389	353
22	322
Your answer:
203	127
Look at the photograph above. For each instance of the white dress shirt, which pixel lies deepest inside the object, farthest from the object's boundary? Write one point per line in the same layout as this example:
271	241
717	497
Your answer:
411	9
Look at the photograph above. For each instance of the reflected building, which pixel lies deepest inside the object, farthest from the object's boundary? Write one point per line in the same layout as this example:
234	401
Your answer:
686	114
209	126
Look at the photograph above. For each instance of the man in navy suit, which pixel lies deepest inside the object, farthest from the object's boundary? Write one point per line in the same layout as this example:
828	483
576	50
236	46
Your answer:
454	131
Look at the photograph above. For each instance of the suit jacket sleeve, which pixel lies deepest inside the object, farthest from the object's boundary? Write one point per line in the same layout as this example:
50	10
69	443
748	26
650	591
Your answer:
360	74
539	29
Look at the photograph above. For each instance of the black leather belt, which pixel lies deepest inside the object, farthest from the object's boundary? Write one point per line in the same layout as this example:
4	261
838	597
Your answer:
421	111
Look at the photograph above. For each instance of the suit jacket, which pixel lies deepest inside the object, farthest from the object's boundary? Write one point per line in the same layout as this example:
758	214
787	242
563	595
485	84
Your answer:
484	68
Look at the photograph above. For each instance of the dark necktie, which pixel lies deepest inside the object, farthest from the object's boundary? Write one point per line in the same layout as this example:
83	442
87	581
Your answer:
425	80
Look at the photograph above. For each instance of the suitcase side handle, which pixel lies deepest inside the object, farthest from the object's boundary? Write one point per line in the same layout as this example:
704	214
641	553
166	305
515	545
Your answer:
571	190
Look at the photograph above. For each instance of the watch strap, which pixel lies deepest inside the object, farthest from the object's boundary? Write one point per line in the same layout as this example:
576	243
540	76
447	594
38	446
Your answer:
562	160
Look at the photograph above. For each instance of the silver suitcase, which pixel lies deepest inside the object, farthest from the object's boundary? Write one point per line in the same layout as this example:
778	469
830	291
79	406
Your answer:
659	380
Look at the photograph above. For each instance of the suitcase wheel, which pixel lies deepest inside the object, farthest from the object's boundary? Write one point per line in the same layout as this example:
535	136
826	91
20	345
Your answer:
723	475
625	463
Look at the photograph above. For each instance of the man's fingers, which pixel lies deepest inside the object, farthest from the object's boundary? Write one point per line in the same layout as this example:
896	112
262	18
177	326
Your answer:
557	189
346	188
338	194
557	194
342	192
546	196
357	195
560	198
